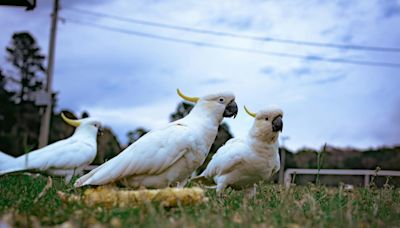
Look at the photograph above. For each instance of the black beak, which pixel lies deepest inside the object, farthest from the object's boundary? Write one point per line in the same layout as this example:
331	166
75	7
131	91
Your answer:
231	109
100	131
277	124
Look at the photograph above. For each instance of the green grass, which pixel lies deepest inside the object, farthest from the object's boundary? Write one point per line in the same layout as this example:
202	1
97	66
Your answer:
310	206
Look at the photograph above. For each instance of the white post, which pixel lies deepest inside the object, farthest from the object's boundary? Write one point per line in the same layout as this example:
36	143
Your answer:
288	179
366	180
283	157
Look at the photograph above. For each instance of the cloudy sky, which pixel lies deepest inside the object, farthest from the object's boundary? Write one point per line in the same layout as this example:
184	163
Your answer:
129	81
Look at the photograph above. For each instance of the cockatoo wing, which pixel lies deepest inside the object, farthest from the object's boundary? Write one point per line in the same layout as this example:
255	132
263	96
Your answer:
151	154
226	158
65	154
51	147
7	162
5	157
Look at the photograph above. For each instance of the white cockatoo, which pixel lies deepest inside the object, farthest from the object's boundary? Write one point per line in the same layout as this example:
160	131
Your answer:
62	158
241	163
168	156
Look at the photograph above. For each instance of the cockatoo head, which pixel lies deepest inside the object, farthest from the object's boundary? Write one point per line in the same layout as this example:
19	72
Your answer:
86	124
219	104
267	124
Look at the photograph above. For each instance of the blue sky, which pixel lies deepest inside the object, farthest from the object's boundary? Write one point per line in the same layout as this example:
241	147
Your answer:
129	81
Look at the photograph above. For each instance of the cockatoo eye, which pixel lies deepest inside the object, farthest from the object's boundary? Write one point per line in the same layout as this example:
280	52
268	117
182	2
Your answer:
266	118
221	100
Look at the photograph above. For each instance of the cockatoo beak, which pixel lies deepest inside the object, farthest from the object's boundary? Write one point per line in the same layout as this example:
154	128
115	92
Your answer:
231	110
100	132
74	123
277	124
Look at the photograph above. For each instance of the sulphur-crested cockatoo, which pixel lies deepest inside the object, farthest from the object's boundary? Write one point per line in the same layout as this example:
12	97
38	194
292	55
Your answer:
241	163
62	158
167	156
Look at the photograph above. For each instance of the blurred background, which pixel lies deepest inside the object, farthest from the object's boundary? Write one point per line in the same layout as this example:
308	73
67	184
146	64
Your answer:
332	66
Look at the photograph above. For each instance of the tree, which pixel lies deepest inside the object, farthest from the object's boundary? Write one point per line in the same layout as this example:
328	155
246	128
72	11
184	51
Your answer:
2	81
108	146
24	54
7	114
181	111
134	135
85	114
7	111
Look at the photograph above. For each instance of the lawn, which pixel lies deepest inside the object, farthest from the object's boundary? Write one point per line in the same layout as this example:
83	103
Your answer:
22	205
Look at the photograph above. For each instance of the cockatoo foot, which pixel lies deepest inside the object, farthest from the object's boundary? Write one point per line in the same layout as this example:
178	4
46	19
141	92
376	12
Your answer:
250	192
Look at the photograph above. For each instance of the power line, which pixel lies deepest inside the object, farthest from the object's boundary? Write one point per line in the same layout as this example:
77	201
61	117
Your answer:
233	48
235	35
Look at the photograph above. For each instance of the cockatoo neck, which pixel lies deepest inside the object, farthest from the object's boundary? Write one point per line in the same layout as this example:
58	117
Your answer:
86	133
204	111
264	143
204	119
262	136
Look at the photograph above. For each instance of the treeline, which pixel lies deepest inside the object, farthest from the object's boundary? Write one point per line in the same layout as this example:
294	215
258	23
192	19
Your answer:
341	158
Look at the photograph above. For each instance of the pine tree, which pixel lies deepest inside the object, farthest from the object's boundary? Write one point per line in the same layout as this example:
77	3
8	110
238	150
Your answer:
25	56
7	110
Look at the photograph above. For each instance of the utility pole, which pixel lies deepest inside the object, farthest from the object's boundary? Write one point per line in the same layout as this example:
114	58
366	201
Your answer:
283	157
45	123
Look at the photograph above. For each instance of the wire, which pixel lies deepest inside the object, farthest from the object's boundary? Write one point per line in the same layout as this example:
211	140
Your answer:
233	48
241	36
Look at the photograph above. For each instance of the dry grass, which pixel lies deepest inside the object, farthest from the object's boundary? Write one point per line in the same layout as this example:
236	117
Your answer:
311	206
